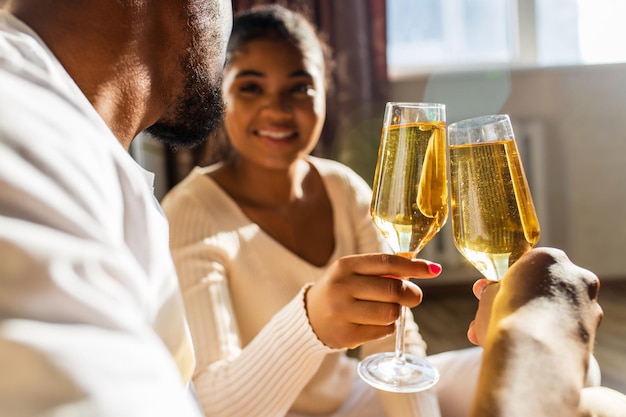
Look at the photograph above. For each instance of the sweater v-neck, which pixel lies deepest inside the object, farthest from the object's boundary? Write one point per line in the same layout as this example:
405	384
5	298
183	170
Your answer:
245	221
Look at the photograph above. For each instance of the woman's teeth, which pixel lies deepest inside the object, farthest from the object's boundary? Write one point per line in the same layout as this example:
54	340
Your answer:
275	135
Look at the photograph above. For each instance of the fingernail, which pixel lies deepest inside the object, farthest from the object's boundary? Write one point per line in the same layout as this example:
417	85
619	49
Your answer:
479	290
434	268
479	287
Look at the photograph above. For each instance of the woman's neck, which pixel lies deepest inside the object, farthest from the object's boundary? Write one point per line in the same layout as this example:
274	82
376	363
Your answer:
258	186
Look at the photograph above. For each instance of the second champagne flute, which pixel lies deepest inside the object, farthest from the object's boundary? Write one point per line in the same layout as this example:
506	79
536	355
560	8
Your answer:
493	216
409	206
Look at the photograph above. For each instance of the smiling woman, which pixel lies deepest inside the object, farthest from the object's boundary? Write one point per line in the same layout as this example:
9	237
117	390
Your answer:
268	218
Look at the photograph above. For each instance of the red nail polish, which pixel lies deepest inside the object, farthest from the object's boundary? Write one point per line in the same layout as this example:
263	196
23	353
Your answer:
434	268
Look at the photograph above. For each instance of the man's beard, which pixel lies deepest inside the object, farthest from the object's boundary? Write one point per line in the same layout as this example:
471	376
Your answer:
198	111
195	117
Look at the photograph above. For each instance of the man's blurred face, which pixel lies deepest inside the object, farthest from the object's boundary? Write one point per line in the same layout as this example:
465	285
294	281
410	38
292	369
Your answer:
197	111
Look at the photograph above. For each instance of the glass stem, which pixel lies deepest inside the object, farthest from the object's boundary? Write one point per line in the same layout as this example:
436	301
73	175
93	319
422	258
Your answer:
399	352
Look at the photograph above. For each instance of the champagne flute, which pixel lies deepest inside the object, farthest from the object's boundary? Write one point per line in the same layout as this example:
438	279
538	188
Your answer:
409	206
493	216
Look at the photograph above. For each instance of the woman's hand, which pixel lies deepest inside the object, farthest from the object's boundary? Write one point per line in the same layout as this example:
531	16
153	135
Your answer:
359	297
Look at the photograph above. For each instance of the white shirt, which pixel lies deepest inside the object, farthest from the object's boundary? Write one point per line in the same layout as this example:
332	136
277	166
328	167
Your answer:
91	318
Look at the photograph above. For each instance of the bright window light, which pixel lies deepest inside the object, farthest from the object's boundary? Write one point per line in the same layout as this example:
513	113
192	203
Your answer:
457	35
602	30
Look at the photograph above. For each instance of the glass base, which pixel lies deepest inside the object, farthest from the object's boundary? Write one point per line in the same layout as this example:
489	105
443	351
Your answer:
383	371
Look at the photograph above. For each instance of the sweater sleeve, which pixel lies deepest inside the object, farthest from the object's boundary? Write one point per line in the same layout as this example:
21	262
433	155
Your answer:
266	376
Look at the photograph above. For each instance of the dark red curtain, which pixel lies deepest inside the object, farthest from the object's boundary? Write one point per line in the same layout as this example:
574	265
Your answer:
356	31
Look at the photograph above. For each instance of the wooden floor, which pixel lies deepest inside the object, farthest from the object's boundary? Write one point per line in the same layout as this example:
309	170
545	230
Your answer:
444	315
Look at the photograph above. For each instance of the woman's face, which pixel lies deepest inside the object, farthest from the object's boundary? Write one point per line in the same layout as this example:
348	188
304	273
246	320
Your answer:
275	102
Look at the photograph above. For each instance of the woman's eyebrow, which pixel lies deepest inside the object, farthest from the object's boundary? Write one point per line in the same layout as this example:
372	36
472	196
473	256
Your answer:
249	73
255	73
300	73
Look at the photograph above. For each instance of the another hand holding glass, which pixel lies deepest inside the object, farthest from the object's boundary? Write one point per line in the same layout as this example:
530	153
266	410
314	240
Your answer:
409	206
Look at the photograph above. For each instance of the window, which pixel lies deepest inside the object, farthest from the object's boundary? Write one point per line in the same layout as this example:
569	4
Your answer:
602	30
423	34
426	35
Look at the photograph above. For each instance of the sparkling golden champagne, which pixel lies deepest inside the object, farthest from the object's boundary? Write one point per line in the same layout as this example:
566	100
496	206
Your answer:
410	203
493	216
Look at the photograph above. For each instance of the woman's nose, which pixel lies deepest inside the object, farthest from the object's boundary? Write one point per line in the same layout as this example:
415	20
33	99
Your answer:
277	103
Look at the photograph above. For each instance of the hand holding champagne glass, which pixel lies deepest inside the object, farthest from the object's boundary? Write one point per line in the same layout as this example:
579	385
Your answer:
409	206
493	216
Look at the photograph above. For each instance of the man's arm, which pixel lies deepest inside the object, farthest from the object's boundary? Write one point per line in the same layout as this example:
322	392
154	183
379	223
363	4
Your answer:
537	327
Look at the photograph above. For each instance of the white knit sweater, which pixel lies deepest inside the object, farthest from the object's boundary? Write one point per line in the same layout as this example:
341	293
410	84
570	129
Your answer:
256	352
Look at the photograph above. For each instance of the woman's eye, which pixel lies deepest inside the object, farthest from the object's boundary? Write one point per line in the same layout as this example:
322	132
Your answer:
305	89
250	88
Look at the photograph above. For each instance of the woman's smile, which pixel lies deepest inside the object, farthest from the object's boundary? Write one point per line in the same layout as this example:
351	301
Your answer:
276	134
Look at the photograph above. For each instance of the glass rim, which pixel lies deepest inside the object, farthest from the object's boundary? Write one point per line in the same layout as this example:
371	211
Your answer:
478	121
415	104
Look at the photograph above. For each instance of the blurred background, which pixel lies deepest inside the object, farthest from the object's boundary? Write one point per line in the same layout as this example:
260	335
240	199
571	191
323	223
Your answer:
557	67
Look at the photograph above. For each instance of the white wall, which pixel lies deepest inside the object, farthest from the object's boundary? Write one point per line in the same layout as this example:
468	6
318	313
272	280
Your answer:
583	111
